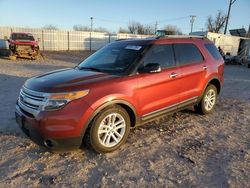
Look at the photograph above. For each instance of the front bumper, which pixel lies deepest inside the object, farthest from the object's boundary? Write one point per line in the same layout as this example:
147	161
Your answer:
57	130
24	50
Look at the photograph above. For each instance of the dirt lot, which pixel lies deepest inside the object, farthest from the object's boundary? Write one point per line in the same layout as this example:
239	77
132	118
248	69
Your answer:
182	150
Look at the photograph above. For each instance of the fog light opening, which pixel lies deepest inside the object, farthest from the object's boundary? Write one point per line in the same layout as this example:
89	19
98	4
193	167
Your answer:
48	143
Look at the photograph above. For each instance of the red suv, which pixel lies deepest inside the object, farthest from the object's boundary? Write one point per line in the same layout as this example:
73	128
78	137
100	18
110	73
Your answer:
122	85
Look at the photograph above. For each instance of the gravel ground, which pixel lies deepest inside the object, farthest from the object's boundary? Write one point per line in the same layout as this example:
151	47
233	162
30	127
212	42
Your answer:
182	150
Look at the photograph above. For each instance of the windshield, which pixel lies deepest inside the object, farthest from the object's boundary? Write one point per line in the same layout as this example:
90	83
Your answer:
114	58
22	36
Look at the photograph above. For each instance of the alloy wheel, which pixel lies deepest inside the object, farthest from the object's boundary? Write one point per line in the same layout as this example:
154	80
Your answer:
111	130
210	99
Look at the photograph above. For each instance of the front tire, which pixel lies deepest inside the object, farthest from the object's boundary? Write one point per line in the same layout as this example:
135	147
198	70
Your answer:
208	101
109	130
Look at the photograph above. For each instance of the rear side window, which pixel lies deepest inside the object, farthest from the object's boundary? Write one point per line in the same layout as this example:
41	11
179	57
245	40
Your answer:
213	51
162	54
187	54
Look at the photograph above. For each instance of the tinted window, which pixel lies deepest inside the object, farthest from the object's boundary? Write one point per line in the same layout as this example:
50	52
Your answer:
187	53
114	58
213	51
161	54
22	36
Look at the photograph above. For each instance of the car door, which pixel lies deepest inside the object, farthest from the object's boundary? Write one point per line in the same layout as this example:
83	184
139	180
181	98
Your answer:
159	91
192	71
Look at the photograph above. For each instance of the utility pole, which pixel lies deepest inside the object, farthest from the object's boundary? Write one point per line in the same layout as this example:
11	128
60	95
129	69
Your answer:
192	21
156	24
90	37
231	2
248	33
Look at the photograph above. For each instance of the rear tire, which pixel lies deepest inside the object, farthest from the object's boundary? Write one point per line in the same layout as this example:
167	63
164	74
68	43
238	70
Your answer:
109	129
208	101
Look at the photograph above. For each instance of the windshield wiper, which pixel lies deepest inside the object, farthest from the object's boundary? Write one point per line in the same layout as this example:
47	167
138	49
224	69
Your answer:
90	68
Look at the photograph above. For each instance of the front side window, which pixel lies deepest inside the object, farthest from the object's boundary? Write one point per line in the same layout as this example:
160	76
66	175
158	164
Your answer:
114	58
187	54
161	54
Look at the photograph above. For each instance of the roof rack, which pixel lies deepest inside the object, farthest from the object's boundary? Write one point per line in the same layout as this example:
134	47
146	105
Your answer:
165	37
181	36
128	39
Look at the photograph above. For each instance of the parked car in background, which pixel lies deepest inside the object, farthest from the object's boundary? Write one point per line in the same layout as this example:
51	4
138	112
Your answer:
122	85
228	59
23	45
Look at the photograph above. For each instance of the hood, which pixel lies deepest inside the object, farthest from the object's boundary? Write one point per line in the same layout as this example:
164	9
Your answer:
65	80
24	42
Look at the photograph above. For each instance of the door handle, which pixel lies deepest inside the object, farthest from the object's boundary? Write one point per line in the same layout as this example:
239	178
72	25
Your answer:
173	75
205	67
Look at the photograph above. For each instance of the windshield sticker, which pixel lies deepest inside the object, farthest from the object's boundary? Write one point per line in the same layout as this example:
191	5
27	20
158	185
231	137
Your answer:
130	47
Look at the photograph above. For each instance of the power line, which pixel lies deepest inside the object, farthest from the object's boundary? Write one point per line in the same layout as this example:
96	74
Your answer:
110	21
173	19
153	22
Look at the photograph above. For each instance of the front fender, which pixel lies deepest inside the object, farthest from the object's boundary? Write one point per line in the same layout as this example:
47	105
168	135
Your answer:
104	105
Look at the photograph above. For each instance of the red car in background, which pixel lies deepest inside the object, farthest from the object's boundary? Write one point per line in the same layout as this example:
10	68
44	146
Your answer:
23	45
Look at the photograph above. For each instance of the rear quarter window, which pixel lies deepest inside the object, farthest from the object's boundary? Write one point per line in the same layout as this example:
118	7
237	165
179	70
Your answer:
187	54
213	51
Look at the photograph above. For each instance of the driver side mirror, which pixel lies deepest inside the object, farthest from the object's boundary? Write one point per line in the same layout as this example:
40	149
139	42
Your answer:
150	68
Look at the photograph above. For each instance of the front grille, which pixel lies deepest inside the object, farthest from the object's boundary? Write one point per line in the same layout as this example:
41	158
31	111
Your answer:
31	101
24	48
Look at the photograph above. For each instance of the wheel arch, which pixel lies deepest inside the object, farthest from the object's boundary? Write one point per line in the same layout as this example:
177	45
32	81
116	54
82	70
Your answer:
215	81
130	109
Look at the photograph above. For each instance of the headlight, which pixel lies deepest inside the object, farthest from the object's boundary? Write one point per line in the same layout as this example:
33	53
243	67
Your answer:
58	100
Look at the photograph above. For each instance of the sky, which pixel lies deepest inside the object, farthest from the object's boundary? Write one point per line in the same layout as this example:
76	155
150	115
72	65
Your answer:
113	14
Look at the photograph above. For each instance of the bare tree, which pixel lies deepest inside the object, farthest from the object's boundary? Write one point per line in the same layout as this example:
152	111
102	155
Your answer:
123	30
133	27
86	28
81	28
100	29
149	29
138	28
172	30
218	23
50	27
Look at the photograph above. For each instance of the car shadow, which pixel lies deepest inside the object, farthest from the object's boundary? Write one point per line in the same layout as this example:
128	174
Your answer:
10	86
